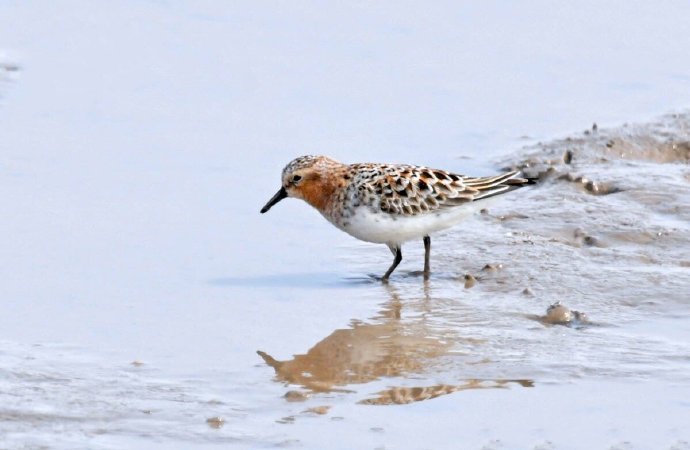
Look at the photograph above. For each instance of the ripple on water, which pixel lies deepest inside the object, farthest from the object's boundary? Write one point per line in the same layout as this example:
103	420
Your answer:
45	389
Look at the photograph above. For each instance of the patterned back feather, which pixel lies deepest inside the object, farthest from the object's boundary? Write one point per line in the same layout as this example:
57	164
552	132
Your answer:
412	190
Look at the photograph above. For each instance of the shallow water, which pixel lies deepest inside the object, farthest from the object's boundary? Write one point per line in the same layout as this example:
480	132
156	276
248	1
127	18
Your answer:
139	280
347	361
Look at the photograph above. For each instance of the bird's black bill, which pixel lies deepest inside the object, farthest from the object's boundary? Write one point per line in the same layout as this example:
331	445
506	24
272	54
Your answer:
281	194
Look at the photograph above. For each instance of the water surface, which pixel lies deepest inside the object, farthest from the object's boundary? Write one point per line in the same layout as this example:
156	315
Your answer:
139	140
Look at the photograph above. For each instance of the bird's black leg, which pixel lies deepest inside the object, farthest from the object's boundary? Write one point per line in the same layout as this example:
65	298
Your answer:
396	261
427	254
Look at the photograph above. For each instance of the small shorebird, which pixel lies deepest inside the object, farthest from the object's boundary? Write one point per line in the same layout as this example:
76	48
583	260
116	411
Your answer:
389	203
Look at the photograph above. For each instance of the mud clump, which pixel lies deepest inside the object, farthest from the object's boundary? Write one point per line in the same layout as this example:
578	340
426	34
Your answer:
512	216
492	268
559	314
568	157
596	188
583	239
296	396
590	186
215	422
317	410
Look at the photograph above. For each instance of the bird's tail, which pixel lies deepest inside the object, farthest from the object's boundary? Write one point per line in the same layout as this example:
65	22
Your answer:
498	184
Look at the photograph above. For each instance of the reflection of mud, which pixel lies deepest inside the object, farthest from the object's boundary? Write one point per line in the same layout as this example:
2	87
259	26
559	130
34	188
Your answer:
8	71
8	67
403	395
367	351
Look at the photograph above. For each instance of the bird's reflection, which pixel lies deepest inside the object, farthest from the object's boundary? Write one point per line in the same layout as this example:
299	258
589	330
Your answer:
402	395
385	346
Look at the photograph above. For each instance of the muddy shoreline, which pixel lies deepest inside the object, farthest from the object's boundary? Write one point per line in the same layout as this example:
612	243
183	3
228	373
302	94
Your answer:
567	300
601	241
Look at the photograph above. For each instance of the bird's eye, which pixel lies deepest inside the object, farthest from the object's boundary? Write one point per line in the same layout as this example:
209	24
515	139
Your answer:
296	178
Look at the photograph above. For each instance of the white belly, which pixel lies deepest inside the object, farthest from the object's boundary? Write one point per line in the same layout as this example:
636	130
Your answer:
383	228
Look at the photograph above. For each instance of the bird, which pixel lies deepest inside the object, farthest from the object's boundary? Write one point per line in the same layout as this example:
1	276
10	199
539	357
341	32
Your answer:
389	203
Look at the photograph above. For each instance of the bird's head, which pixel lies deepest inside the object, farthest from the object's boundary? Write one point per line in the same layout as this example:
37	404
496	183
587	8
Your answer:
307	178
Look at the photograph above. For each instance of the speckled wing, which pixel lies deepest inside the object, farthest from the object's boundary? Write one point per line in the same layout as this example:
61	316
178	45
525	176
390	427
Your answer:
412	190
